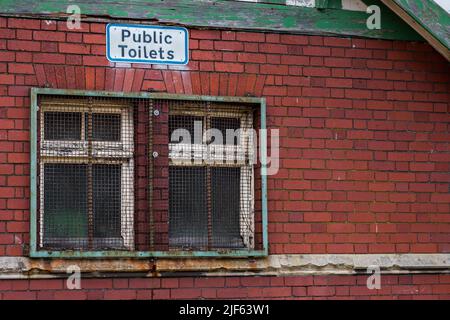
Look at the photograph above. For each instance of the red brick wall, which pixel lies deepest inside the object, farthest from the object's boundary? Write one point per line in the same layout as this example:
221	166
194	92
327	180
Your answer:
299	287
364	130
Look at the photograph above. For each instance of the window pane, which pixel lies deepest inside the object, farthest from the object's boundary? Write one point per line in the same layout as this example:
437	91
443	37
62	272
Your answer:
106	185
185	122
62	125
225	204
105	126
65	205
188	219
227	126
188	215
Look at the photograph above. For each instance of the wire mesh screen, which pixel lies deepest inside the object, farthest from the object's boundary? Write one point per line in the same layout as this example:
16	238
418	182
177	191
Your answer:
86	173
114	175
211	179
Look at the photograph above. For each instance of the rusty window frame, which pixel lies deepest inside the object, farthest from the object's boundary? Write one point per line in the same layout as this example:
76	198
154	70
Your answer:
217	155
103	152
35	253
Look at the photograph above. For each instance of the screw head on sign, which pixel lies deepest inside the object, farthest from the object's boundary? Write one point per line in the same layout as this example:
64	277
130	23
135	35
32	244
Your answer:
155	154
156	112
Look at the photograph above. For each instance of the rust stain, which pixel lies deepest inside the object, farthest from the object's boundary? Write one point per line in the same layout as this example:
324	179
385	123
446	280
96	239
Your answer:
104	265
152	267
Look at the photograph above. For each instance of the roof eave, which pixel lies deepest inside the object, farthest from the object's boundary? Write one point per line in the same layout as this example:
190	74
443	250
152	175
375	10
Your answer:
428	19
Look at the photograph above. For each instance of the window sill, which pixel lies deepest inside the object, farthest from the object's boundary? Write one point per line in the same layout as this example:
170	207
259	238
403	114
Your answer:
279	264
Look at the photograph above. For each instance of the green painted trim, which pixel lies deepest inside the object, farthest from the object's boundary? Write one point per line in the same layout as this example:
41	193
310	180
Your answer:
35	253
321	4
33	171
281	2
430	16
334	4
144	95
221	14
149	254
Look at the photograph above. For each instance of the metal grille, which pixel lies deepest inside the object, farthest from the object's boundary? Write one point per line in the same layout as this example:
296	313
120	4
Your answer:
211	202
86	173
114	175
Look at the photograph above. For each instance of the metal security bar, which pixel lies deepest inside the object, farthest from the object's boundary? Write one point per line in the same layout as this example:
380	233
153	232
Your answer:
108	181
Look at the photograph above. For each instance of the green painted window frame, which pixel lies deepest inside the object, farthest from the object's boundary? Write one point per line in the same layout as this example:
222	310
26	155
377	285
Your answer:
242	253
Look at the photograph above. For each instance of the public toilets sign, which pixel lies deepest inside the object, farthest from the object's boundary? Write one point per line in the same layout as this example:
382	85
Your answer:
146	44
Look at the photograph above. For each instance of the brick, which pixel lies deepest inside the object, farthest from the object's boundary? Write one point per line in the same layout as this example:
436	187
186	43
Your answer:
7	56
185	293
316	51
274	69
339	123
94	38
24	23
209	282
250	36
337	42
272	48
18	227
70	295
6	238
46	284
7	34
74	48
205	34
24	45
317	195
49	36
276	292
95	61
120	295
293	39
27	295
320	291
20	68
228	45
6	79
228	67
49	58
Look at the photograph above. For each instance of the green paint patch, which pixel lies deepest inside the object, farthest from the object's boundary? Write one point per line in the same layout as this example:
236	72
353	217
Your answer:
227	14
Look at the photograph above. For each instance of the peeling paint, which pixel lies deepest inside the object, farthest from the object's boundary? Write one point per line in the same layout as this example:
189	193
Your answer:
222	14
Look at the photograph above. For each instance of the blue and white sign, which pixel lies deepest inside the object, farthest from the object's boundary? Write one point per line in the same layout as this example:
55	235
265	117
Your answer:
146	44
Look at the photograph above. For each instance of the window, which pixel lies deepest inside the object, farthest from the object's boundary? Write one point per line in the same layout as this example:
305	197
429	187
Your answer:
86	174
145	175
211	176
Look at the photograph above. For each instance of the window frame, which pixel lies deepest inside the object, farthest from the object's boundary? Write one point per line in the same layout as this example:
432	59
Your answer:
70	151
35	252
196	154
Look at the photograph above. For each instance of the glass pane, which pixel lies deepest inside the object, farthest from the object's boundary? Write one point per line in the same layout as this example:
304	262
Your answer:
65	205
105	126
227	127
225	204
62	125
189	123
188	220
106	185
